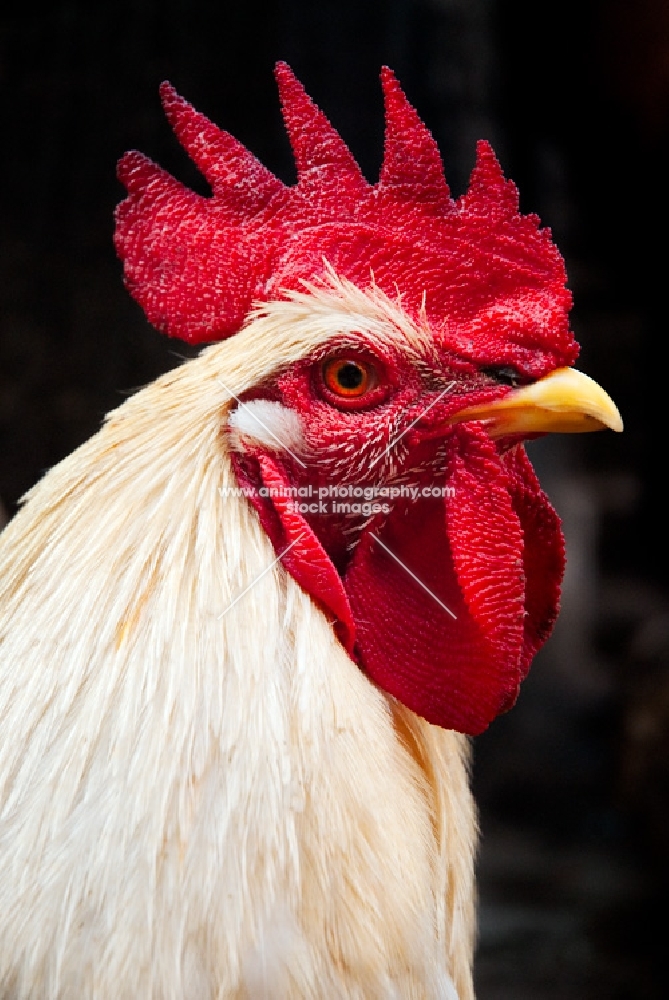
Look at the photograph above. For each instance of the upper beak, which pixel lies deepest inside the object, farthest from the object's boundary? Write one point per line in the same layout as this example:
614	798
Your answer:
565	400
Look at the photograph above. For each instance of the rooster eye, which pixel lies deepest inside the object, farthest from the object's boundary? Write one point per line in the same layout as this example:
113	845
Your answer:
505	375
349	378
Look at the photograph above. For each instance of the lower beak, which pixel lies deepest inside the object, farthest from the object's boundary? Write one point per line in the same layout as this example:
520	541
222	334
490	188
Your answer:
565	401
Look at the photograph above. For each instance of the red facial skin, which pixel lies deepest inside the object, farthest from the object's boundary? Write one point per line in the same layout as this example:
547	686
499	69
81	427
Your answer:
490	551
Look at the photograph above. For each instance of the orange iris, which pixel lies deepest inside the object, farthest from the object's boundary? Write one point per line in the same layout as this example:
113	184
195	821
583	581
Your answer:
348	377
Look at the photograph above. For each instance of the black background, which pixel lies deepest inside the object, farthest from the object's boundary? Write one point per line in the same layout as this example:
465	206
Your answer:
574	784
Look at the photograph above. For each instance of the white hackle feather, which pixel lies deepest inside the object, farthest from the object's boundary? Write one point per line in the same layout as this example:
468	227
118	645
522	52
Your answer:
202	796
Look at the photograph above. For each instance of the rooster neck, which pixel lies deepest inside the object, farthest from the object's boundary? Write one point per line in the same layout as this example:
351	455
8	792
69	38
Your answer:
189	757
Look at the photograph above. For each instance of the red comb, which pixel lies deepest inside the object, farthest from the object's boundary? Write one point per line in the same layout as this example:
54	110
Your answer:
196	264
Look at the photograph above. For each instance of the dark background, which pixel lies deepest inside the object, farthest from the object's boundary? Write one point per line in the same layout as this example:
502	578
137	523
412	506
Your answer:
573	784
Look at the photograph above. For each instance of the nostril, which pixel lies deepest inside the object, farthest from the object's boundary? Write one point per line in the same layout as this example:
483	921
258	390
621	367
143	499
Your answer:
506	375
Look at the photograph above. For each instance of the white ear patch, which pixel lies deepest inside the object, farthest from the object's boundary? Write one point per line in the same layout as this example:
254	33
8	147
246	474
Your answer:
268	423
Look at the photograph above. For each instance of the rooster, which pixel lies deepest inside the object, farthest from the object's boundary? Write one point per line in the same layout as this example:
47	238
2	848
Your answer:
248	627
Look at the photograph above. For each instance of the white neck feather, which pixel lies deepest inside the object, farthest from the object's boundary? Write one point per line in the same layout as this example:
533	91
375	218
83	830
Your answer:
201	795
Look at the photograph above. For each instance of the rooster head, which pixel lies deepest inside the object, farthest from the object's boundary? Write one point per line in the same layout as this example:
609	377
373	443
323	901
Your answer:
386	463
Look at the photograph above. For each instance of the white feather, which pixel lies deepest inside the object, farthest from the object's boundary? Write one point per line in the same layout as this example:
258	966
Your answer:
188	789
268	423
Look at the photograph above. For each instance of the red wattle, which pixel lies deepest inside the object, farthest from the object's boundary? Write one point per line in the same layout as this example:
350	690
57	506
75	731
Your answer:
445	600
467	550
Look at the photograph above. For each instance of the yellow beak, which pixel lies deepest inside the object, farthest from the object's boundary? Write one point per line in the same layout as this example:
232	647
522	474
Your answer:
565	401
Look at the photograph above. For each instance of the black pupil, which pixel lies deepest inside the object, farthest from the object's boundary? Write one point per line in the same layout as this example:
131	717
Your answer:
350	376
